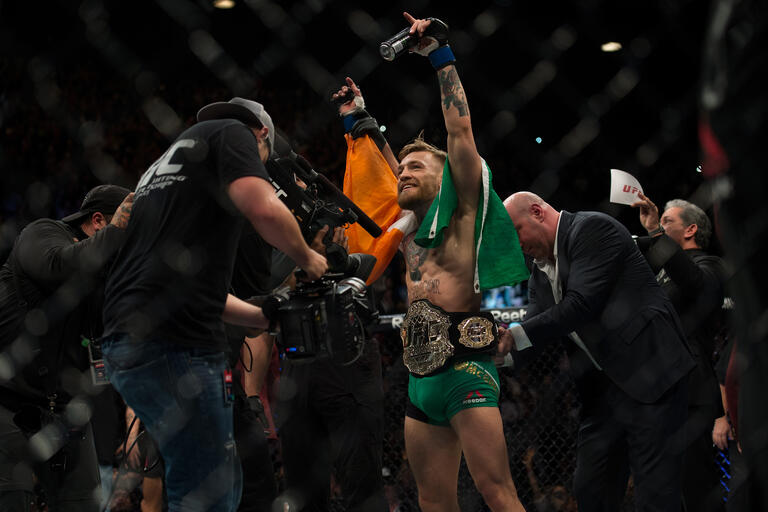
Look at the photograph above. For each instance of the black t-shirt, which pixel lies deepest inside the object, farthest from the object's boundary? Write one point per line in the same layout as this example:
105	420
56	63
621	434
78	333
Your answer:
50	298
170	281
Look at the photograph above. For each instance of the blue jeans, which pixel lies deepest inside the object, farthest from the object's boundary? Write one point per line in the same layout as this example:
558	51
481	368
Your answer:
179	395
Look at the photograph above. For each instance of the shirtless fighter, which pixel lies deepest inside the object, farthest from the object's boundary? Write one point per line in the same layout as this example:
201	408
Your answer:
448	344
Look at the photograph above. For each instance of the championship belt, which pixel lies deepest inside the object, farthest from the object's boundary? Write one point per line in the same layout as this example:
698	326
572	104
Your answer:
431	336
426	339
476	332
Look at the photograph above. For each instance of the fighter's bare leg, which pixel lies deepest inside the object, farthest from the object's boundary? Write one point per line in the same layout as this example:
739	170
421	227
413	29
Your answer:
481	434
434	455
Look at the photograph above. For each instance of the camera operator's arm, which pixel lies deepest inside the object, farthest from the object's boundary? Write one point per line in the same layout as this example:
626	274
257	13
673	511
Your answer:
260	351
132	423
466	164
256	199
239	312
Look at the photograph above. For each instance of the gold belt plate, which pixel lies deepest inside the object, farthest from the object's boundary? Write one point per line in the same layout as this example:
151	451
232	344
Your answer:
476	332
426	339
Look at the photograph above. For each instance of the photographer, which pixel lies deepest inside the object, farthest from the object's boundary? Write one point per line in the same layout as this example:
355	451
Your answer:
167	301
50	297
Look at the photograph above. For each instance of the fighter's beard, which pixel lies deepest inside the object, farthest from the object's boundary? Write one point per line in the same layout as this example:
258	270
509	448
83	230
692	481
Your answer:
417	205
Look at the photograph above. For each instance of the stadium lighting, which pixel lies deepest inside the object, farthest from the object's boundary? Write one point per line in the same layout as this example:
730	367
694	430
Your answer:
611	46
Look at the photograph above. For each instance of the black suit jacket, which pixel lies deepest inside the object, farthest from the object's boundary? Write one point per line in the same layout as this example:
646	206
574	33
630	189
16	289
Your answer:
694	282
612	301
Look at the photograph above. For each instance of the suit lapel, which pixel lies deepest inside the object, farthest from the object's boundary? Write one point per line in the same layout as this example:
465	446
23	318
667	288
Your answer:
563	261
544	297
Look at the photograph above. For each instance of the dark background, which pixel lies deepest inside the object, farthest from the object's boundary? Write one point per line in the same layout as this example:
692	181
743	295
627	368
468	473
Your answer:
93	91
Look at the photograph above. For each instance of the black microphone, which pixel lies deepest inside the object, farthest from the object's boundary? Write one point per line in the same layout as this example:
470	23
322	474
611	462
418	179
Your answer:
283	150
360	265
364	220
398	44
404	40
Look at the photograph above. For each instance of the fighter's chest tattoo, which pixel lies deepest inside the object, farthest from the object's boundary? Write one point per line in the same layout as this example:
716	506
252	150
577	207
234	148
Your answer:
422	289
415	256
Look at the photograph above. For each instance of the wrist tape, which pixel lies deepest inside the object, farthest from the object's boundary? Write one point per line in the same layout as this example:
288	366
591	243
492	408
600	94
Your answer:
442	57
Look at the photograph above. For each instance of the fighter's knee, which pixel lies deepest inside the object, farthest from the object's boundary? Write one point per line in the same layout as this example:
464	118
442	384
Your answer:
497	494
437	502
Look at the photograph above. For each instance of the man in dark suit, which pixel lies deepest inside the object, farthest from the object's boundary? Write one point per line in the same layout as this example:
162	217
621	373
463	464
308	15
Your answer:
694	282
590	283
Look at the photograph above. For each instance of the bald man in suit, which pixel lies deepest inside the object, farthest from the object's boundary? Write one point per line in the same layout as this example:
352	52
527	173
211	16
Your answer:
590	284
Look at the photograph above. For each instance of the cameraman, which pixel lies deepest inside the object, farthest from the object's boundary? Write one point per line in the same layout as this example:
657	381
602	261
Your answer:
329	413
259	269
330	424
257	272
166	298
50	298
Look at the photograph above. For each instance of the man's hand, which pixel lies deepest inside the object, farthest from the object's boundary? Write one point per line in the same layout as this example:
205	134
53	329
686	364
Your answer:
315	265
505	346
254	401
356	103
123	212
649	213
506	341
426	44
721	433
339	238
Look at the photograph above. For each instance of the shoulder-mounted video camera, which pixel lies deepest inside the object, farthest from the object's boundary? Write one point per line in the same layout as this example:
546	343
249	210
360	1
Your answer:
326	317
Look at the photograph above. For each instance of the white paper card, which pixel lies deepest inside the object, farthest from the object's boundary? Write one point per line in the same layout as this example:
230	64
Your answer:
624	187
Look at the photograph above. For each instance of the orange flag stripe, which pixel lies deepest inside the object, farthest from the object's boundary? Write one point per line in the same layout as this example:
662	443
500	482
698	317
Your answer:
370	184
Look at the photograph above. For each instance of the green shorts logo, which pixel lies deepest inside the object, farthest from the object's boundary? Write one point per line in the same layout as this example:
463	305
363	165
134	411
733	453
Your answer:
474	397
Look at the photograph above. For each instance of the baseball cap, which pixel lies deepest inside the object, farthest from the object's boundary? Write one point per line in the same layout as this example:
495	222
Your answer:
247	111
103	198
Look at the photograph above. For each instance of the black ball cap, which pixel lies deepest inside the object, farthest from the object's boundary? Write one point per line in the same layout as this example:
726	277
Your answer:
249	112
103	198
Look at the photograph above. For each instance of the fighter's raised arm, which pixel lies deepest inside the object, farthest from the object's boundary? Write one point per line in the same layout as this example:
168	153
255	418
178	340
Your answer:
466	164
358	121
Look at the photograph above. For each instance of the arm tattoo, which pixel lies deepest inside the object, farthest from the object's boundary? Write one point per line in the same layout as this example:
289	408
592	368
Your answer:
415	257
452	91
122	215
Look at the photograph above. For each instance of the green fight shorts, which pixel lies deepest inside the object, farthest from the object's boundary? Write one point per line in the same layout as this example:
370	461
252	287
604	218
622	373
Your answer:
463	384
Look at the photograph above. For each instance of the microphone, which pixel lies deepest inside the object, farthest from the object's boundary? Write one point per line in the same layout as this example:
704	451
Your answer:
283	150
404	40
398	44
364	220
